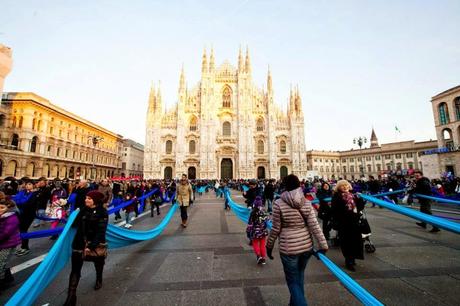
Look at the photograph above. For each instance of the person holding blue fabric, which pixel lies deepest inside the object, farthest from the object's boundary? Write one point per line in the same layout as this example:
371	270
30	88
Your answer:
295	224
324	212
91	229
26	202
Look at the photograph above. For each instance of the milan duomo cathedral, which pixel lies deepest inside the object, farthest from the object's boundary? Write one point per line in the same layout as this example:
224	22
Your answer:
225	127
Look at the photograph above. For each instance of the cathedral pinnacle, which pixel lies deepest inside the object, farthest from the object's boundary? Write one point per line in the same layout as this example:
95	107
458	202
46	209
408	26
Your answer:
269	82
248	62
240	62
204	62
211	61
182	80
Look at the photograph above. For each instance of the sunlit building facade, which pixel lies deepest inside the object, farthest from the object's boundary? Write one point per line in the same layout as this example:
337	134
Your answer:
38	138
225	127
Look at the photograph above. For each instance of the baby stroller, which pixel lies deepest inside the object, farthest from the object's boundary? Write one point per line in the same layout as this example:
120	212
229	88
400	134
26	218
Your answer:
366	233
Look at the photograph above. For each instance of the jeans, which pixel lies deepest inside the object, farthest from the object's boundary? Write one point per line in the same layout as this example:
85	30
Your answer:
128	219
269	205
294	271
40	213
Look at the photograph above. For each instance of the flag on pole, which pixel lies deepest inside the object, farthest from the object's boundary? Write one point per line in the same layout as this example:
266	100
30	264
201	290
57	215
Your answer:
397	130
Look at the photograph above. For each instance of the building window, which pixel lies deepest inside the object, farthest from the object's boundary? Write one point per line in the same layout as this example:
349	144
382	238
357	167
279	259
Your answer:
368	158
316	160
352	160
321	169
168	147
344	160
443	113
369	168
398	156
74	154
260	125
352	168
359	159
34	121
344	169
191	147
58	152
410	155
66	153
193	124
457	108
283	147
379	167
226	129
320	160
387	156
338	169
260	147
377	157
15	141
227	97
327	169
388	167
33	144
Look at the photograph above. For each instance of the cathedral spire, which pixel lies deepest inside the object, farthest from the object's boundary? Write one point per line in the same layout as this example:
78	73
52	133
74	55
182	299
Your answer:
248	61
211	61
152	99
298	100
204	62
182	80
240	62
269	82
291	100
159	102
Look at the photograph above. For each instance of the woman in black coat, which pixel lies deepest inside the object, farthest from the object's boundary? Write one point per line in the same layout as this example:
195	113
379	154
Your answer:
324	212
346	212
91	228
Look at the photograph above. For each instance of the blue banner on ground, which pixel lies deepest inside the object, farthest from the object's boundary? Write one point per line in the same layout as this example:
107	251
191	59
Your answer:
52	264
439	222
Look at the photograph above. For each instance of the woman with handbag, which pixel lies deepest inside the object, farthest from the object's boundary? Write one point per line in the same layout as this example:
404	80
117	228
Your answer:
346	213
89	243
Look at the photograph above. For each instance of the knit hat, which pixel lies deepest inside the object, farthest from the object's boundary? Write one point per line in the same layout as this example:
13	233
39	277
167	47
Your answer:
97	197
258	202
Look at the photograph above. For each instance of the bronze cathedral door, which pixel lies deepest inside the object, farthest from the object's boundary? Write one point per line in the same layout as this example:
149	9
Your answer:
226	169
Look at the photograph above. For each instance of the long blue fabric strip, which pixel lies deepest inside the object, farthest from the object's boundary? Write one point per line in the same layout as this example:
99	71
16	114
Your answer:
60	253
42	233
439	200
53	263
359	292
364	296
439	222
127	203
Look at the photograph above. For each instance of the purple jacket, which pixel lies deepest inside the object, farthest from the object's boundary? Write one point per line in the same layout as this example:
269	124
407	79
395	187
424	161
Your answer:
9	230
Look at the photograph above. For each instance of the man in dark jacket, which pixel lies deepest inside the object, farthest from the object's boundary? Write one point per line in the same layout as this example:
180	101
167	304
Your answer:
251	194
42	197
423	186
269	193
373	186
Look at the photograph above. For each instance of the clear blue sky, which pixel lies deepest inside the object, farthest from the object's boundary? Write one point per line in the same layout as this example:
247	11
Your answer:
358	63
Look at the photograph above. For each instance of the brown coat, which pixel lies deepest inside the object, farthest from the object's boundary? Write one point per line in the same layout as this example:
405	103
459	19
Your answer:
184	193
294	222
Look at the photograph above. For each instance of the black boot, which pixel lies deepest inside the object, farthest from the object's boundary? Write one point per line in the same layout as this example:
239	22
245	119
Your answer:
72	291
99	269
8	276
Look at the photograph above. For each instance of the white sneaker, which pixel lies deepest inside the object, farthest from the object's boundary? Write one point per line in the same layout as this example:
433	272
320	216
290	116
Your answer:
133	218
126	225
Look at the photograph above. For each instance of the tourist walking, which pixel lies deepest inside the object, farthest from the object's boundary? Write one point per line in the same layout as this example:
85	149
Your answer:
27	204
295	223
324	195
257	230
89	243
184	194
346	212
423	187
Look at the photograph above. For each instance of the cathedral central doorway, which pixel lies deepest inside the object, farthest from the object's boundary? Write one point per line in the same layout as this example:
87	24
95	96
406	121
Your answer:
226	169
168	173
283	172
191	173
261	172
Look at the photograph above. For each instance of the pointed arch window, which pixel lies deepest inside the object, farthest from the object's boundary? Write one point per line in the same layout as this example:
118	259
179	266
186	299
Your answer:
168	147
226	97
260	125
283	147
226	129
260	147
34	121
33	144
15	141
191	147
193	124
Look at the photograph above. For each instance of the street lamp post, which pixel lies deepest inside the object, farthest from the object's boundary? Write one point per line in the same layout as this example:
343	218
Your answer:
94	140
360	141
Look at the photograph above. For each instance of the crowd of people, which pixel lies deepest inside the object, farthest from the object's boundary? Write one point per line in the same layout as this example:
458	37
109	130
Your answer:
286	203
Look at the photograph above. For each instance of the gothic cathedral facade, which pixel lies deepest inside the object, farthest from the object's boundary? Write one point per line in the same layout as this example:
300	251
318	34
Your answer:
224	128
